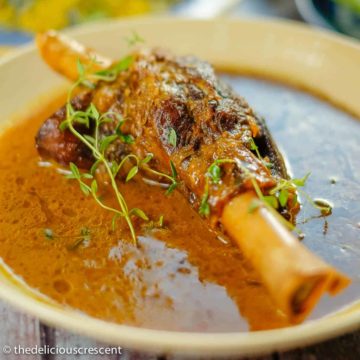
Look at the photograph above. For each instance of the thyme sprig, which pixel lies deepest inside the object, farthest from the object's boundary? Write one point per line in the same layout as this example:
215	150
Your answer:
110	74
172	137
204	208
255	148
84	236
277	196
155	225
99	144
213	174
98	148
269	201
143	165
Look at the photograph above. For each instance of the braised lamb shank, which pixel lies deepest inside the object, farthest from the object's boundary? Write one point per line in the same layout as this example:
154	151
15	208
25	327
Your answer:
159	93
177	109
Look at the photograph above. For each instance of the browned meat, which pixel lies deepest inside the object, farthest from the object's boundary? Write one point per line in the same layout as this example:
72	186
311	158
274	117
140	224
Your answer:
160	92
63	146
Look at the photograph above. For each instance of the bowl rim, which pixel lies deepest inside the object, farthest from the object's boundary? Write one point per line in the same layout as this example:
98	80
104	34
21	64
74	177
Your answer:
219	344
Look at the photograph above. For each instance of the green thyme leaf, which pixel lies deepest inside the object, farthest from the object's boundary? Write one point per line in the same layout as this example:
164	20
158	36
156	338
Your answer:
90	139
172	137
93	111
171	188
114	167
70	177
49	234
302	181
255	148
283	197
74	170
110	74
84	188
139	213
123	64
272	201
80	68
173	170
160	222
204	209
133	171
125	138
81	117
95	166
85	235
105	119
94	187
147	159
63	125
119	125
105	142
86	176
69	110
85	232
113	221
214	172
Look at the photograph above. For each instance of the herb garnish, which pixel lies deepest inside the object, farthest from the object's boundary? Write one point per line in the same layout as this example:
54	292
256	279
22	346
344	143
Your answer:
214	174
126	138
173	179
99	145
111	73
160	222
155	225
134	39
255	148
85	235
172	137
204	208
214	170
277	197
49	234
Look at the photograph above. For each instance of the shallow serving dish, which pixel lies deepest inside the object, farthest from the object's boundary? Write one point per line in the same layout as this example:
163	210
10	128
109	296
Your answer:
325	64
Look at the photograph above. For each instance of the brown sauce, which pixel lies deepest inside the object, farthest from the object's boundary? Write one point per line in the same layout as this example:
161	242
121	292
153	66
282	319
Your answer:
183	277
179	278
